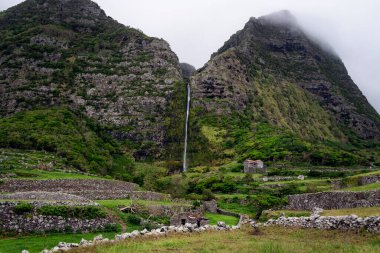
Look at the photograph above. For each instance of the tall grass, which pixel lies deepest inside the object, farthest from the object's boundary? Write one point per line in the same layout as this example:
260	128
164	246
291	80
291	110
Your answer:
268	240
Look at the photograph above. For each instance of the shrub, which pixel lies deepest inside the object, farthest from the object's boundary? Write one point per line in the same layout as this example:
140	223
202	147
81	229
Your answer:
134	219
208	195
82	212
23	208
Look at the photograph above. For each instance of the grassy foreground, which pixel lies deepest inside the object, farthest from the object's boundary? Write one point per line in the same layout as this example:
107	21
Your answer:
269	240
36	243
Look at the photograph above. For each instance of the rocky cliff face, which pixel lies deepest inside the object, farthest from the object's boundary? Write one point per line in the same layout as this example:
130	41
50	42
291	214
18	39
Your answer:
69	53
272	72
274	47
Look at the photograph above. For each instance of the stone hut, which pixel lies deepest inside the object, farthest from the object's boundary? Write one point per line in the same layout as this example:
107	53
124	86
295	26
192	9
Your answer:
188	217
254	166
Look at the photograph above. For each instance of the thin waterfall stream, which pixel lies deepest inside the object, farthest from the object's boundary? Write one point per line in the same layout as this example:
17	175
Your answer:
186	128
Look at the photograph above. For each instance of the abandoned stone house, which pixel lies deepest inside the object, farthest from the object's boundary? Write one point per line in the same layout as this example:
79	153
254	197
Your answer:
188	217
254	166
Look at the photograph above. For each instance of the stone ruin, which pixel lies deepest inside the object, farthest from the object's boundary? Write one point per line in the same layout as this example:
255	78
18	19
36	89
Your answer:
195	218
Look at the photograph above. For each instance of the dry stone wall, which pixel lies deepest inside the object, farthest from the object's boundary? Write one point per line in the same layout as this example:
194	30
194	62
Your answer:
65	185
120	194
351	222
32	222
47	196
333	200
89	189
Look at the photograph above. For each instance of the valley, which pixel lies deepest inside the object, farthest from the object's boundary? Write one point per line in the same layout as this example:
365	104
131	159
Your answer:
109	144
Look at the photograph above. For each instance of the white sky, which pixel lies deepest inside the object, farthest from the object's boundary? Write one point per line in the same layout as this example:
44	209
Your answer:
197	28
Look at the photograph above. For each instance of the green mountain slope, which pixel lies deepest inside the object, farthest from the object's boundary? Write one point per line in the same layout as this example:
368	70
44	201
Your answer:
81	143
271	74
70	53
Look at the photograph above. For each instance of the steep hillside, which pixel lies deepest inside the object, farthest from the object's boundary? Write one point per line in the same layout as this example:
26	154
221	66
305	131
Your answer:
56	53
271	75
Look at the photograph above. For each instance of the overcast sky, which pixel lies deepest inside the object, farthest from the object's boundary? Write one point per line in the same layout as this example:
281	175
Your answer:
197	28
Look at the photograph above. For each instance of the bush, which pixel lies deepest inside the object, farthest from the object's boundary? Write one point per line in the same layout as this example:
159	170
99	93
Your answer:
82	212
208	195
134	219
23	208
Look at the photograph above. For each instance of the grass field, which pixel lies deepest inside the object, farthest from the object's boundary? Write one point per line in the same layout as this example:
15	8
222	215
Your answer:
268	240
36	243
214	218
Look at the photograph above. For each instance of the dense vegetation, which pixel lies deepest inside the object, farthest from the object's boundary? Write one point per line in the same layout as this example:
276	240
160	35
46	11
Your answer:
82	144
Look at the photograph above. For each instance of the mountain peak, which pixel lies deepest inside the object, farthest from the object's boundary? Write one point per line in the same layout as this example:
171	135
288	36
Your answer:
280	18
79	13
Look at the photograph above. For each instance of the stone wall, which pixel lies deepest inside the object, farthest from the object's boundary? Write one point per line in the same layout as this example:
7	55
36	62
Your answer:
356	181
333	200
194	217
351	222
89	188
210	206
32	222
220	211
47	196
370	179
120	194
66	185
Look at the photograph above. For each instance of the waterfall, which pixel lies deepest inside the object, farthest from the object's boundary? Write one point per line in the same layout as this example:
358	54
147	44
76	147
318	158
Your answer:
186	128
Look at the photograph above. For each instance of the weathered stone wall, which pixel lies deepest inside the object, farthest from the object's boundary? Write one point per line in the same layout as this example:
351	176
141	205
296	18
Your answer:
47	196
355	181
194	217
120	194
66	185
220	211
210	206
90	189
32	222
370	179
351	222
333	200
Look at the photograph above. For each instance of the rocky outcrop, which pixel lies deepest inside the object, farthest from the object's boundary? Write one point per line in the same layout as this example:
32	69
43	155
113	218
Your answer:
333	200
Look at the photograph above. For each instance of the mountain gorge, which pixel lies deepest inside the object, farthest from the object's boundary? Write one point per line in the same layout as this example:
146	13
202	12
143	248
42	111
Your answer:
270	92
